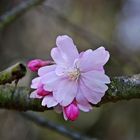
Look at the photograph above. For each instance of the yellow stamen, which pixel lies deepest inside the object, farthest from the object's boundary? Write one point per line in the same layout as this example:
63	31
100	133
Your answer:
74	75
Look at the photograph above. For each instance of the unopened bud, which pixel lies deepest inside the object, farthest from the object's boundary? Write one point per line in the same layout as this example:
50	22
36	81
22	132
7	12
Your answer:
72	111
35	64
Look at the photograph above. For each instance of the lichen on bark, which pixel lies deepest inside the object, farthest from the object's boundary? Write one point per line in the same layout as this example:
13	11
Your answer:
13	73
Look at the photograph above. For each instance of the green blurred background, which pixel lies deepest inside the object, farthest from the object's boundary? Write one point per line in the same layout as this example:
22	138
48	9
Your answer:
115	24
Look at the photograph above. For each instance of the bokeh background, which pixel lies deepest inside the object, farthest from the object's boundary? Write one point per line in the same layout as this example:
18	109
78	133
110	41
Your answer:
114	24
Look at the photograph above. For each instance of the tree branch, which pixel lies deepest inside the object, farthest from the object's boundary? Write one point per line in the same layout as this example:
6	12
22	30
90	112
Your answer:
16	12
41	121
121	88
13	73
11	97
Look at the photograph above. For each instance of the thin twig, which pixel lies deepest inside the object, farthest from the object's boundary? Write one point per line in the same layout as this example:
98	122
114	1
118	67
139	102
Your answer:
41	121
18	11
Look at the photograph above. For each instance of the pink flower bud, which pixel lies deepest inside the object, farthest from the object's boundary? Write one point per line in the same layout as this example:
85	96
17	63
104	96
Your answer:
42	92
71	111
35	64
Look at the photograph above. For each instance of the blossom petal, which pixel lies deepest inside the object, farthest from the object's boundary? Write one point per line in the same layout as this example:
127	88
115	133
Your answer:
92	96
93	85
64	114
35	95
67	48
82	102
95	80
57	56
60	71
94	60
49	101
44	70
50	81
97	75
66	92
35	83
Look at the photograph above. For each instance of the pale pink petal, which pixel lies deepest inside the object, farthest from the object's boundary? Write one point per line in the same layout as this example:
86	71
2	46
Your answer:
49	101
70	94
67	48
57	57
60	92
63	72
100	69
95	80
60	71
82	102
97	75
91	94
44	70
35	95
35	83
81	54
66	92
64	114
93	60
50	81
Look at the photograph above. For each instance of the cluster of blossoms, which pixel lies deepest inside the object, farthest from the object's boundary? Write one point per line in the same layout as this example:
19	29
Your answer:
73	81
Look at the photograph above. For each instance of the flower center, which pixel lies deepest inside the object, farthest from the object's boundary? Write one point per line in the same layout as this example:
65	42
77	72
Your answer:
74	75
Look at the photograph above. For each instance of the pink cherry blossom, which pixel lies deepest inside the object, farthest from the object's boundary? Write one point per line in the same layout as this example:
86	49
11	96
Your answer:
74	81
76	76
